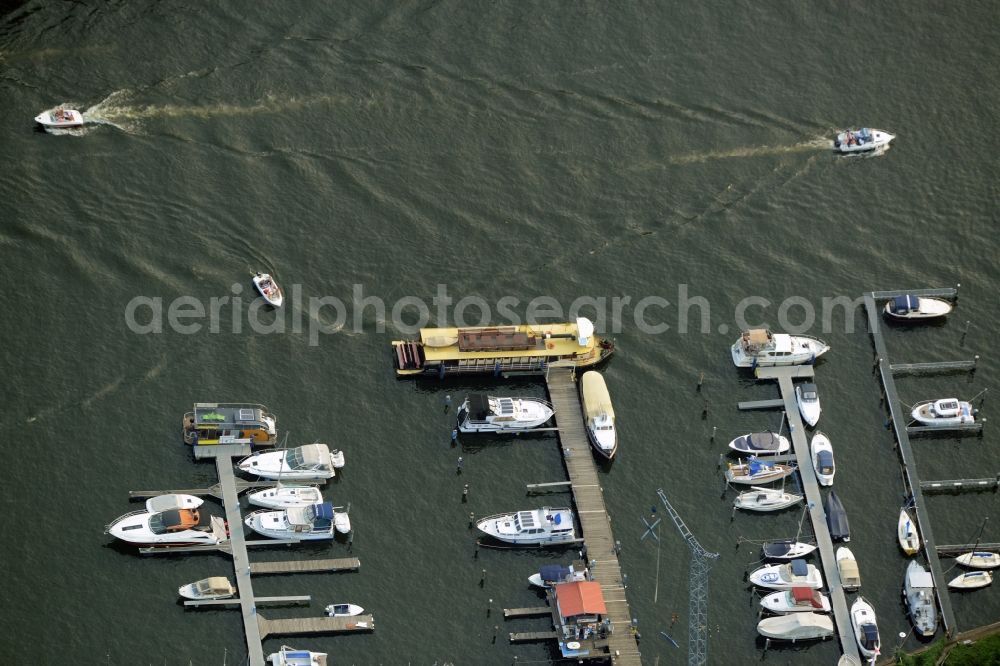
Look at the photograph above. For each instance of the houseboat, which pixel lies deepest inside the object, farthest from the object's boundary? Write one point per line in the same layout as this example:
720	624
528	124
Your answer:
581	620
497	349
599	414
229	423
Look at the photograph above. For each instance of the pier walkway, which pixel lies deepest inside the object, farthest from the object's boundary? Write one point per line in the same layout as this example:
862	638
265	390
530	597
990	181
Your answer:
591	512
814	500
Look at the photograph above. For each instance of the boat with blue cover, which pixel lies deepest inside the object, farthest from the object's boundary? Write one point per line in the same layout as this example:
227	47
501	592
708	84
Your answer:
553	574
287	656
786	576
307	524
911	308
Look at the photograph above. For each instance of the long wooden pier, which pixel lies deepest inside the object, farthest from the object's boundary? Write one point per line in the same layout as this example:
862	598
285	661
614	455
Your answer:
305	566
592	513
314	625
814	500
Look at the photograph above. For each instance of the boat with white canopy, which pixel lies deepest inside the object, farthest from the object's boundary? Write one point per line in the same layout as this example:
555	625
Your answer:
918	589
847	567
599	414
760	347
483	413
787	576
286	497
306	524
216	587
309	462
916	308
796	627
530	528
822	459
807	398
944	413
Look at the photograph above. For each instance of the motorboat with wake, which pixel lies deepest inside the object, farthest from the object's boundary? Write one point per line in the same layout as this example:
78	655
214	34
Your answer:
822	458
796	573
60	119
786	549
836	518
847	567
599	414
344	610
269	289
944	413
972	580
216	587
979	560
918	589
796	600
765	499
551	574
757	471
807	398
482	413
304	463
796	627
861	140
916	308
306	524
176	520
906	532
287	656
286	497
531	528
759	347
760	443
865	628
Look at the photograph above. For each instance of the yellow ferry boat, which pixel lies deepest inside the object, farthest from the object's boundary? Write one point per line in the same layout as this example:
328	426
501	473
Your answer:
498	349
229	423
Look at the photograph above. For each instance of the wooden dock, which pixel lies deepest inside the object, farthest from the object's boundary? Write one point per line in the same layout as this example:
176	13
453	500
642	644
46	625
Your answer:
814	502
525	636
305	566
314	625
534	611
592	513
259	601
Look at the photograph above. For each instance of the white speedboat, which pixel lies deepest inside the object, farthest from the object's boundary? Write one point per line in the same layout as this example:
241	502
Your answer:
807	397
757	471
269	289
760	443
836	518
286	497
306	524
287	656
344	610
796	627
906	532
174	527
946	412
530	528
786	549
822	457
796	600
303	463
765	499
979	560
173	501
550	574
796	573
216	587
861	140
60	119
761	347
847	567
971	580
918	588
483	413
865	628
599	414
911	308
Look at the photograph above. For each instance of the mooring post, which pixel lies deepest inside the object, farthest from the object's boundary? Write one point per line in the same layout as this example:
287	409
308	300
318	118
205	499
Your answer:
714	428
472	519
961	343
701	378
447	403
465	493
482	581
489	609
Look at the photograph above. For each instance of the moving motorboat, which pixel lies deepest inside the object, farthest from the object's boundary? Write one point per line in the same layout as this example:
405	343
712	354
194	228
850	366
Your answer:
906	531
530	528
550	574
836	518
786	576
979	560
796	627
946	412
216	587
807	397
865	628
171	527
822	458
60	119
757	471
847	567
760	443
269	289
286	497
287	656
971	580
796	600
483	413
910	308
918	588
306	524
760	347
599	414
765	499
309	462
861	140
344	610
786	549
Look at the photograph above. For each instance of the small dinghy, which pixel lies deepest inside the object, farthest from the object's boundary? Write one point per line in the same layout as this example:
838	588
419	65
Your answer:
286	497
797	600
765	499
344	610
796	627
913	308
287	656
786	549
847	567
972	580
550	574
822	458
836	518
979	560
760	444
786	576
60	119
861	140
865	628
918	588
216	587
269	289
757	471
909	540
807	397
943	413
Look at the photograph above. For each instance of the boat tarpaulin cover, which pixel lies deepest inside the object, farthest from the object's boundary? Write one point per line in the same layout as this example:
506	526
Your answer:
903	304
580	598
324	511
799	568
553	572
479	406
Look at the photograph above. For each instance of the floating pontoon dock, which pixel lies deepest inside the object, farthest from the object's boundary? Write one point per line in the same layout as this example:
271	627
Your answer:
305	566
314	625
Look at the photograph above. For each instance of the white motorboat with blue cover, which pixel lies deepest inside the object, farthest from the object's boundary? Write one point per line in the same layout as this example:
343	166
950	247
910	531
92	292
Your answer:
287	656
757	471
786	549
861	140
918	588
822	459
550	574
906	533
915	308
599	414
796	627
787	576
311	462
760	443
286	497
483	413
269	289
979	559
765	499
807	397
306	524
800	599
865	628
944	413
760	347
344	610
216	587
530	528
60	119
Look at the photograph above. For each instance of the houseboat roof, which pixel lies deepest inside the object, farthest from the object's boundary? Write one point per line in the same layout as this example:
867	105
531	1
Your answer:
442	344
580	598
234	415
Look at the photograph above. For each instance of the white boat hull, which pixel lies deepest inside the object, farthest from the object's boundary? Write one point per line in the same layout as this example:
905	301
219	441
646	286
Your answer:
821	451
875	140
928	414
778	577
906	532
743	474
268	289
60	119
803	350
765	499
927	308
847	567
344	610
979	560
862	614
772	444
275	465
523	414
918	590
789	550
972	580
808	409
284	497
531	528
782	602
796	627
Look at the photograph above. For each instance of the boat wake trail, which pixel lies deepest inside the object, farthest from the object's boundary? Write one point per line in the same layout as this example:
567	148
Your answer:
758	151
